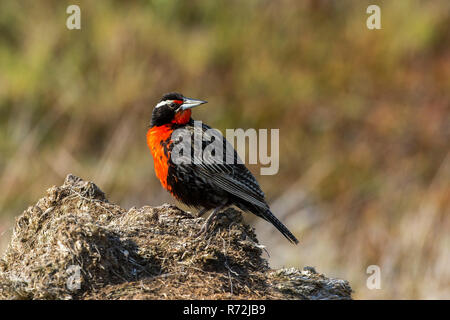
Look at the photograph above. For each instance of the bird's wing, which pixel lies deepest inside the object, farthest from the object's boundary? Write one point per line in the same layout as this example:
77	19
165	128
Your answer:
234	177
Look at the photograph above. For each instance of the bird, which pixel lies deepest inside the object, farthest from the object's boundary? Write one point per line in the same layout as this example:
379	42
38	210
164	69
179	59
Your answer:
203	184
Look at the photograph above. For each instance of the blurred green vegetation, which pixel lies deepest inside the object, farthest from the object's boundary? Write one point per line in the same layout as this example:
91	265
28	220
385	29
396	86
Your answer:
364	117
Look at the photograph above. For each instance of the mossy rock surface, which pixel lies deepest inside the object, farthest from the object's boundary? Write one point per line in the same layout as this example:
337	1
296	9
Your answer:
75	244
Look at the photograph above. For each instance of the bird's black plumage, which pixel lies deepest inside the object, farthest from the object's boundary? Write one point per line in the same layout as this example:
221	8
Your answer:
209	184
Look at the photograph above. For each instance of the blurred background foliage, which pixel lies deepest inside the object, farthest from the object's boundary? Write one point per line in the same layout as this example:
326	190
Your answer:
364	118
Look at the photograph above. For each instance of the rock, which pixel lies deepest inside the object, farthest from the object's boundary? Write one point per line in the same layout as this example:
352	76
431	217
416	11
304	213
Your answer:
74	244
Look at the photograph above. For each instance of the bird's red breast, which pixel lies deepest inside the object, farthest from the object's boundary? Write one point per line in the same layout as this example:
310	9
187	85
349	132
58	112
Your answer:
156	136
158	141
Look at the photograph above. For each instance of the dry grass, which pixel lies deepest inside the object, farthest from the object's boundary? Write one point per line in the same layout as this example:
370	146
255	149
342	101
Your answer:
146	253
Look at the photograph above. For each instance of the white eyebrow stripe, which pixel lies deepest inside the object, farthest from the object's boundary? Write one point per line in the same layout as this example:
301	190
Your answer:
163	103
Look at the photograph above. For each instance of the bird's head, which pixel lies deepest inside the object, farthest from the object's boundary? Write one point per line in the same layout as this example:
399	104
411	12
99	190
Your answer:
173	108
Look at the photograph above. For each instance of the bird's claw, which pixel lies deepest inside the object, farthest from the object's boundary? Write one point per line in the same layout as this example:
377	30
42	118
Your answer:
204	229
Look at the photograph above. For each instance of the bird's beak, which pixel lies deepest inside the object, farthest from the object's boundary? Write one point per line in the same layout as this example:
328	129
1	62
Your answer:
189	103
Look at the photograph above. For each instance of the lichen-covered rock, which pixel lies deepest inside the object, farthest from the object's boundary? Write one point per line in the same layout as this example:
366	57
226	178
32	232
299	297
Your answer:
74	244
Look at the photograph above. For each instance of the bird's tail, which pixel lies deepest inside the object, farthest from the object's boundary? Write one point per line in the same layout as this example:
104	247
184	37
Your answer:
268	215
